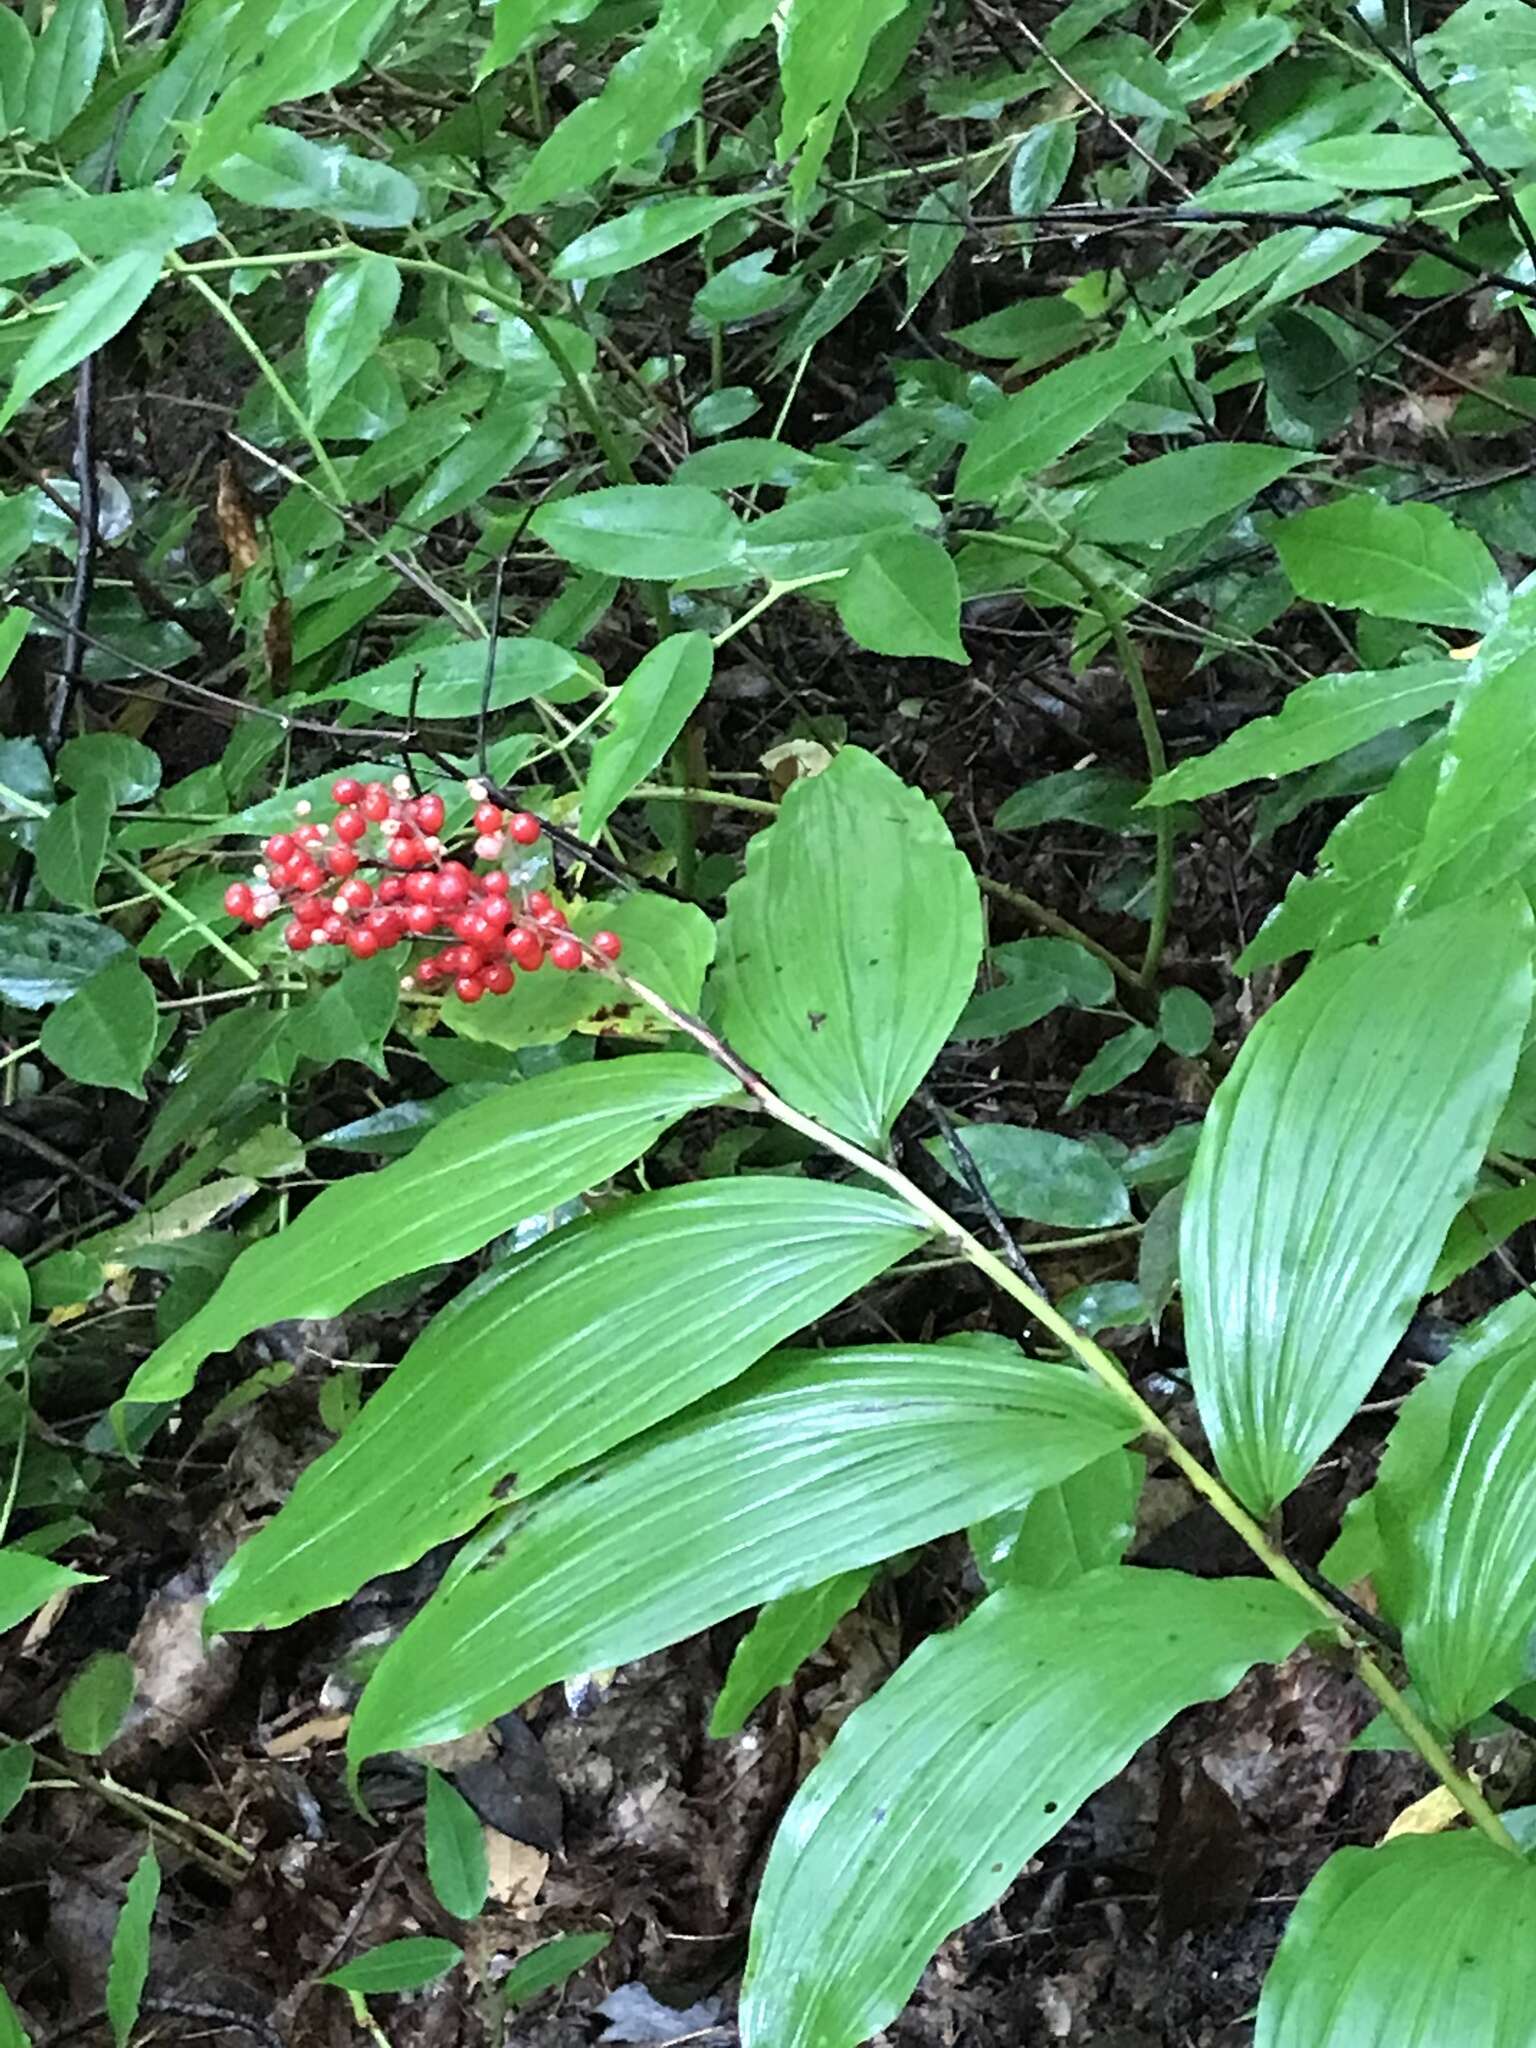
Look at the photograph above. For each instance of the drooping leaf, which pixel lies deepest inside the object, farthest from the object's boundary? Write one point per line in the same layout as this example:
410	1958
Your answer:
643	234
92	1705
937	1791
86	313
403	1965
349	317
449	681
1318	721
1038	976
129	771
476	1175
821	532
822	1462
850	946
934	238
785	1633
903	598
17	55
27	1580
656	531
457	1863
1406	561
128	1970
104	1034
1428	1941
1330	1166
280	168
65	60
605	1328
1082	1522
822	48
1028	334
654	703
1173	493
71	847
1034	428
1040	1174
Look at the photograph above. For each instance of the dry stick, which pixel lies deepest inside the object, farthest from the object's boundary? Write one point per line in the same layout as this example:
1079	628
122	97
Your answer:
1104	1368
87	524
220	2016
976	1187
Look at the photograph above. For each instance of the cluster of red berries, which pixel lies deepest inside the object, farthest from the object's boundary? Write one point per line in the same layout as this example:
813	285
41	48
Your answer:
417	891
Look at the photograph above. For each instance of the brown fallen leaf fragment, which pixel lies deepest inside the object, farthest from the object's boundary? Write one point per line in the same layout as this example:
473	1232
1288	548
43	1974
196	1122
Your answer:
516	1871
236	523
308	1735
182	1679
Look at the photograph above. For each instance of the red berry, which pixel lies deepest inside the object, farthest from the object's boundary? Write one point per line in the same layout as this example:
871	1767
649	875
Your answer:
310	910
362	945
450	890
428	812
341	861
406	853
356	894
278	848
497	977
555	921
419	888
497	883
524	827
538	904
350	825
386	927
428	971
609	944
391	889
460	959
375	803
421	918
474	928
298	937
526	948
566	954
469	988
307	835
306	875
334	931
240	900
487	818
496	912
346	789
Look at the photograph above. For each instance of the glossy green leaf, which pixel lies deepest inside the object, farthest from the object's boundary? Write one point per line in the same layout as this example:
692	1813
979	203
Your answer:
65	61
656	531
549	1965
821	532
457	1863
1318	721
83	316
1427	1942
1311	387
221	1061
842	294
105	1033
1491	1216
1033	332
1114	1063
654	703
785	1633
850	945
45	957
476	1175
1184	1021
933	239
1036	977
903	598
15	1294
17	1762
1082	1522
347	320
821	1462
349	1018
1406	561
129	771
93	1704
449	681
403	1965
1173	493
605	1328
1330	1166
643	234
1035	427
128	1969
27	1580
17	54
1461	1549
1481	825
1380	163
823	45
71	847
279	168
1041	1175
12	2033
936	1792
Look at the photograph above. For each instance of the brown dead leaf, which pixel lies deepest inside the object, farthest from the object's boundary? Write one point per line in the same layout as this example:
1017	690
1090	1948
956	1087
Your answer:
322	1728
516	1871
237	525
787	763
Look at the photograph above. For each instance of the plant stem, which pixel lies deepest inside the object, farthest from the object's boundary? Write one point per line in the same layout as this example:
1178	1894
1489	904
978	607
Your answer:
1105	1368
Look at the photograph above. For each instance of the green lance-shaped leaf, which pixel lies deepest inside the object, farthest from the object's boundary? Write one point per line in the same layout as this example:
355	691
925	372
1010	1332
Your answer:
457	1863
600	1331
643	234
1460	1545
1317	722
822	1462
1034	428
823	47
1333	1159
850	946
1428	1942
26	1581
93	1704
87	312
65	60
1172	493
350	316
983	1745
128	1971
654	703
397	1966
785	1633
477	1174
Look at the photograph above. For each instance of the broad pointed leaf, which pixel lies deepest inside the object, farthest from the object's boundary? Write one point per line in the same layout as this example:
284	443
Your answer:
984	1744
850	946
350	316
656	531
603	1329
1481	827
128	1971
473	1177
821	1463
106	1031
456	1854
1406	561
88	311
26	1581
1429	1942
1172	493
1330	1166
643	234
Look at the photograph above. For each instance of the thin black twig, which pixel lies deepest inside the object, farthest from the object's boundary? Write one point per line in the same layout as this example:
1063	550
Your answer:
87	531
976	1187
57	1156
